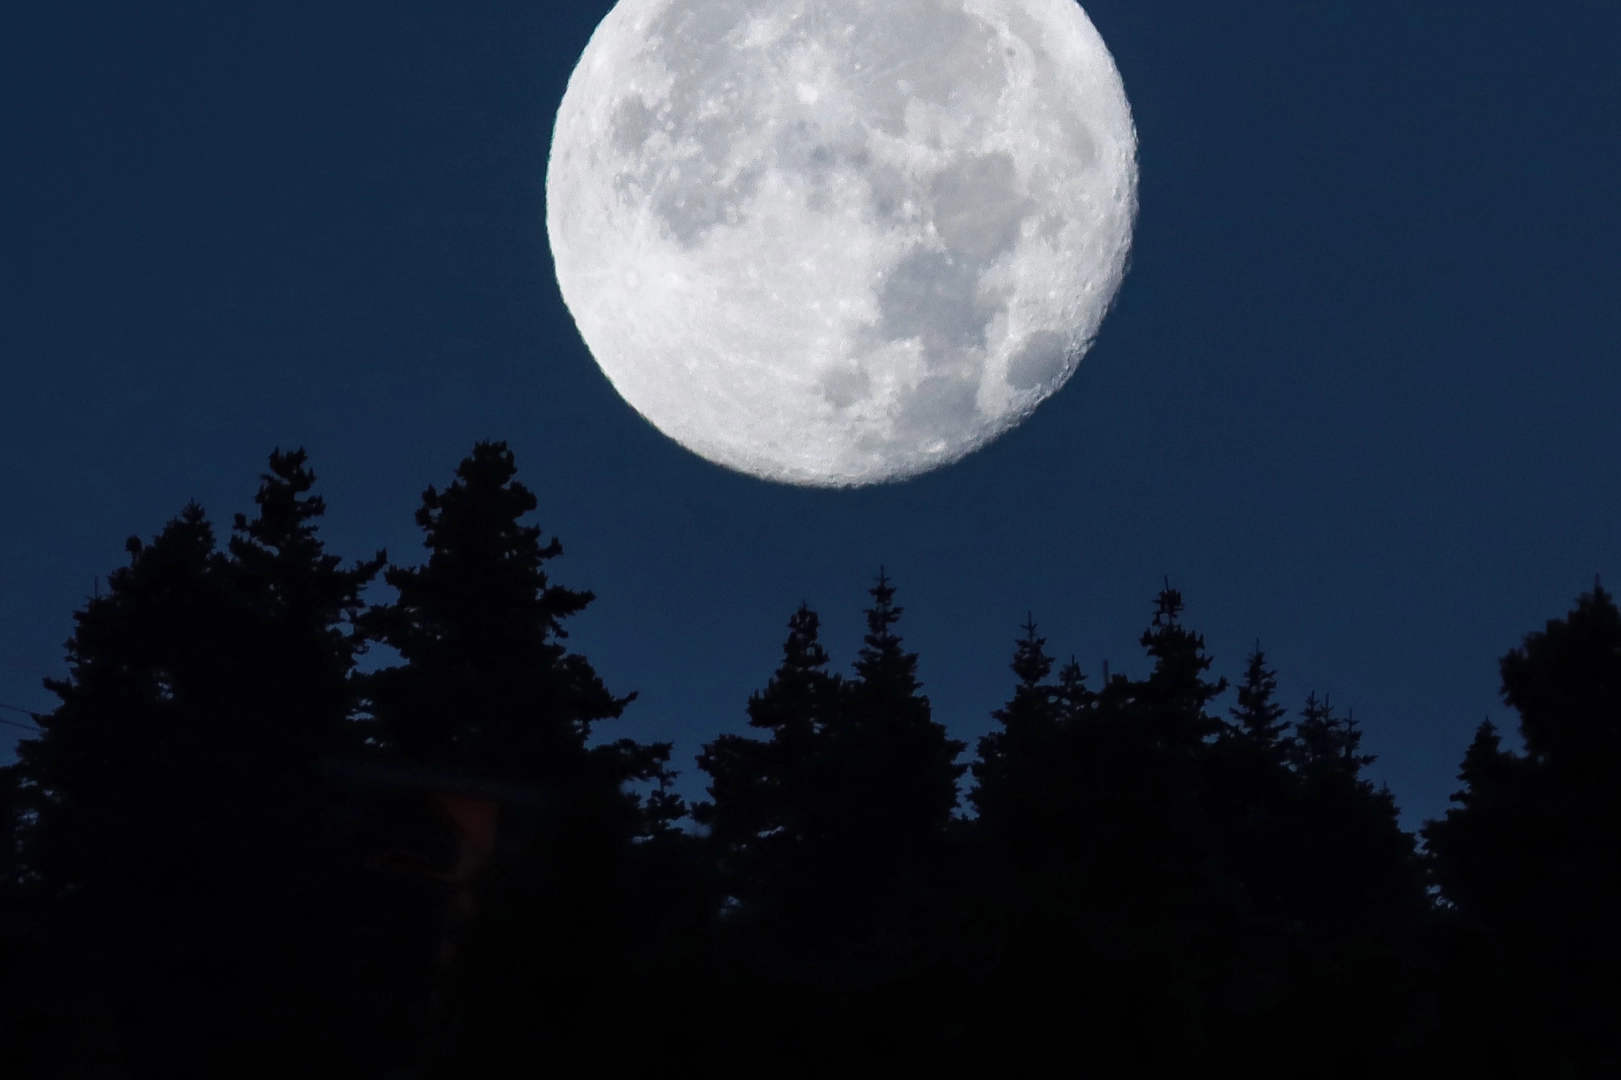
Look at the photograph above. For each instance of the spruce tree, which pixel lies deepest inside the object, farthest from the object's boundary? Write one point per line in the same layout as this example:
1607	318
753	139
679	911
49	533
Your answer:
1258	715
332	940
1152	738
303	602
1120	894
890	787
1356	865
836	830
764	819
487	683
178	825
1175	694
1463	846
125	788
1252	793
1032	871
1075	700
1352	900
768	832
896	769
856	784
1324	743
1012	771
487	688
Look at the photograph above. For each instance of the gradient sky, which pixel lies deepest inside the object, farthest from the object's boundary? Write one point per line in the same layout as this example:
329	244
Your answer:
1356	398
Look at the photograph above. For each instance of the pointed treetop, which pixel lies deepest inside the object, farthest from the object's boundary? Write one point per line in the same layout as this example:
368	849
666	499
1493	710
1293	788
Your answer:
481	550
1325	742
281	545
803	648
283	507
1167	606
1074	696
1025	740
480	627
1033	699
1257	714
1177	686
883	613
481	507
1030	661
882	661
801	689
1483	763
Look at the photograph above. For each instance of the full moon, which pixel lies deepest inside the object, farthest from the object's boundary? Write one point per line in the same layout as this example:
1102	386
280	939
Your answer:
839	242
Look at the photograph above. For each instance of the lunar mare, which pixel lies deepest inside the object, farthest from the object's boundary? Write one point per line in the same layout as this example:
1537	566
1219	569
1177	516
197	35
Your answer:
836	242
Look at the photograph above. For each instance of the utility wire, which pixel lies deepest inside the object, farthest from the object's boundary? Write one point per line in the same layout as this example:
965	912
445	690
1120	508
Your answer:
30	713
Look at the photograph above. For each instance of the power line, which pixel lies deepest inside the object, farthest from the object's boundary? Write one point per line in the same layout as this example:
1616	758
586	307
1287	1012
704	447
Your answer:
30	713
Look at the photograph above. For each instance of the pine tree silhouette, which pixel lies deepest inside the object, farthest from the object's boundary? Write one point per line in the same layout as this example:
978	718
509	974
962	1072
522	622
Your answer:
900	763
109	841
1258	714
1012	762
836	833
1109	871
174	789
857	781
1176	692
487	689
771	836
486	682
1253	796
1353	898
765	819
1325	743
1144	886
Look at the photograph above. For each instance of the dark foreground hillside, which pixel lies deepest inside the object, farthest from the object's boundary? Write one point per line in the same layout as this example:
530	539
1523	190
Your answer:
229	852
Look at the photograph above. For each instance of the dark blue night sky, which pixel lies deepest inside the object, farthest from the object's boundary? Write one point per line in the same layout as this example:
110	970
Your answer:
1356	399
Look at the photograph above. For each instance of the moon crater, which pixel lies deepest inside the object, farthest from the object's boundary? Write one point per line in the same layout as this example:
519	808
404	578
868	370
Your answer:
833	242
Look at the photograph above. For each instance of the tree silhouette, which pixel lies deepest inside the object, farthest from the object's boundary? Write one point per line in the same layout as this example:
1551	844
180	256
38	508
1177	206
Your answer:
1258	715
770	835
487	688
1174	697
1106	877
1014	760
765	817
899	767
486	682
200	864
1027	778
1252	799
110	840
855	786
1170	891
1036	796
1530	858
174	790
1356	896
835	831
1356	864
1325	744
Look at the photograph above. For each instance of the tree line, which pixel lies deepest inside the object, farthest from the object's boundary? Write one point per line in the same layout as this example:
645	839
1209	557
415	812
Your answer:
230	851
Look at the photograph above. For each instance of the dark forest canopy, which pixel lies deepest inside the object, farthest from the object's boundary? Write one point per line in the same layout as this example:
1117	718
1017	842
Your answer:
228	851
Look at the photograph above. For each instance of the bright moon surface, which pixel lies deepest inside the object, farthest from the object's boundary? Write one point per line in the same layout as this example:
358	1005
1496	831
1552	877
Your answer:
836	242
